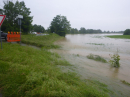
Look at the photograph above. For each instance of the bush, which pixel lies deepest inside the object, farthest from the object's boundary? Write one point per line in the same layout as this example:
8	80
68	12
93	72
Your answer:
127	32
115	60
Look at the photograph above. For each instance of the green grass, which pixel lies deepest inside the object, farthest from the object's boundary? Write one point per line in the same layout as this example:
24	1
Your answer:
45	41
96	58
95	43
97	36
123	81
29	72
120	36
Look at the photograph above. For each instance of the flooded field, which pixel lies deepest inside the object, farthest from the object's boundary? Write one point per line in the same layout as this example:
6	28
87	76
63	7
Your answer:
75	48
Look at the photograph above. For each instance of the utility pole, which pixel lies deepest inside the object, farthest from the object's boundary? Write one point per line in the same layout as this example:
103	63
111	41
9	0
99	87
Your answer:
19	17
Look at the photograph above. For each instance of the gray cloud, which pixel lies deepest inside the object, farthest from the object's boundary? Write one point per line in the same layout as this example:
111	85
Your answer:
112	15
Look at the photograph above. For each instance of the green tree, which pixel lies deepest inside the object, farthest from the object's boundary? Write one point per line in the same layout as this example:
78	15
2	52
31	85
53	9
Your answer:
74	31
60	25
1	11
82	30
11	10
127	32
38	28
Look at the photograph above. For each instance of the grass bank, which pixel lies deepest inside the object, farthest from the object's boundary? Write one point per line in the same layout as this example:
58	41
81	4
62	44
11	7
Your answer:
29	72
45	41
120	36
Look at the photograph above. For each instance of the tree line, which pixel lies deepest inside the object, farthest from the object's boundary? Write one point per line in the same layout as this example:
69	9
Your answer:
59	25
89	31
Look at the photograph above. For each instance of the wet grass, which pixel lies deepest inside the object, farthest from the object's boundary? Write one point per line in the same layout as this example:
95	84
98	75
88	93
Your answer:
120	36
123	81
25	71
45	41
77	55
96	58
97	37
95	43
100	85
29	72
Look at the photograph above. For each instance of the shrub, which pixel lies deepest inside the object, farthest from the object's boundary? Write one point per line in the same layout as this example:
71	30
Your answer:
115	60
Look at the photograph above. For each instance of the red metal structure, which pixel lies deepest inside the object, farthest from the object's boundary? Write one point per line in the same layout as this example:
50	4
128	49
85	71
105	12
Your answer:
13	37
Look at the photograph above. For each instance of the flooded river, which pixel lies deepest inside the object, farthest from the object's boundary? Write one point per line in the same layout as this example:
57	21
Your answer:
75	48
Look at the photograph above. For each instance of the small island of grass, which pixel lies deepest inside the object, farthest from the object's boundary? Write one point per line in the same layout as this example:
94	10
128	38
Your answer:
120	36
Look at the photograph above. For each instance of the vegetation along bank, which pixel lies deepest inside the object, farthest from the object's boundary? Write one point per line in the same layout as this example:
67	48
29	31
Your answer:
120	36
126	35
27	72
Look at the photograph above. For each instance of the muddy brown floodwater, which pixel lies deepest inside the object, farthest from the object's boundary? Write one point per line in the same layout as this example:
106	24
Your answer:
75	48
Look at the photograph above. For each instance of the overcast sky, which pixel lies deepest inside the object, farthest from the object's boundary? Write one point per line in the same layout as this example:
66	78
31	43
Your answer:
112	15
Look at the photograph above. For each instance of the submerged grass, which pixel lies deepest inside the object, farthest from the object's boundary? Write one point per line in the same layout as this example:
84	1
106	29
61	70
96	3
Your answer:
96	58
29	72
45	41
120	36
97	36
123	81
95	43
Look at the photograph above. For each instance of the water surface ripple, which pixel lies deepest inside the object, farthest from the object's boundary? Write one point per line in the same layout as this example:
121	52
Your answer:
84	44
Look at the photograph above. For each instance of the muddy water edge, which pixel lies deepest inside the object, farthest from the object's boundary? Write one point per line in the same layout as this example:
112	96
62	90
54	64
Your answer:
75	48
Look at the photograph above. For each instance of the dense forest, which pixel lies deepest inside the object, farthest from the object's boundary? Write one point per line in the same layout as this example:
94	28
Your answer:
59	24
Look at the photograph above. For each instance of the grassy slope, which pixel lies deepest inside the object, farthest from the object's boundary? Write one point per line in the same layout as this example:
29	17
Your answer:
45	41
120	36
27	72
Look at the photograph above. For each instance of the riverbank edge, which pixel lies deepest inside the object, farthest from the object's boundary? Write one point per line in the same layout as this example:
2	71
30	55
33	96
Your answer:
56	63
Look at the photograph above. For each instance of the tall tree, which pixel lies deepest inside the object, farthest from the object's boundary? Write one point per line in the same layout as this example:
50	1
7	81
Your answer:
38	28
74	31
82	30
60	25
11	10
126	32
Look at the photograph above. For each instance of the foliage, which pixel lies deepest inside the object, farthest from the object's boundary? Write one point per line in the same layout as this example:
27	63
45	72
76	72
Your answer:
74	31
45	41
89	31
127	32
123	81
96	58
84	31
1	11
115	60
38	28
60	25
29	72
78	55
11	10
96	43
120	36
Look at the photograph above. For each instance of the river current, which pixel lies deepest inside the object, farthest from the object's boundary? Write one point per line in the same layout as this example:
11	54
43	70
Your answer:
75	48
